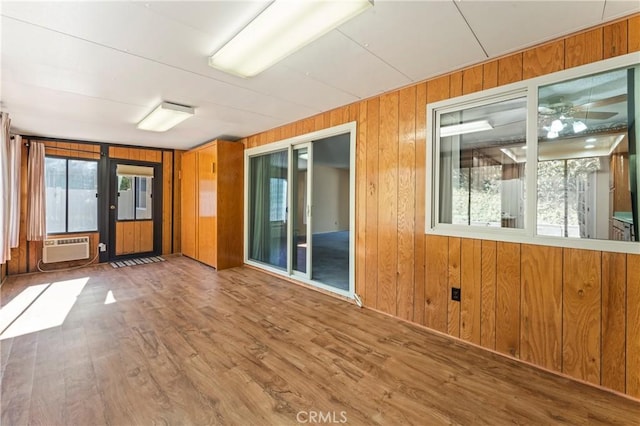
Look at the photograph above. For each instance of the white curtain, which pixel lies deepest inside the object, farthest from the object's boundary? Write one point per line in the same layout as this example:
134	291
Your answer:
5	138
36	210
10	157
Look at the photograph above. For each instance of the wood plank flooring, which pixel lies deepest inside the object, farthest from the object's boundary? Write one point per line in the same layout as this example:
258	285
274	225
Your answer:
183	344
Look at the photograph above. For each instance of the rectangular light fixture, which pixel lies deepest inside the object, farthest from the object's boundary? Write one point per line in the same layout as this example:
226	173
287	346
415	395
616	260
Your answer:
281	29
461	129
165	116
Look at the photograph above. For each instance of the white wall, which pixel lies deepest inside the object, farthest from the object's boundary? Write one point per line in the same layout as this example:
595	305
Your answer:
330	199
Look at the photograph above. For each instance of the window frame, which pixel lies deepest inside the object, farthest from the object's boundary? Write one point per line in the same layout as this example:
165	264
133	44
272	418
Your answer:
66	210
528	89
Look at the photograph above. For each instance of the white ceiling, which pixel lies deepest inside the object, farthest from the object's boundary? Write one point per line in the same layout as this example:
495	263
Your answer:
92	70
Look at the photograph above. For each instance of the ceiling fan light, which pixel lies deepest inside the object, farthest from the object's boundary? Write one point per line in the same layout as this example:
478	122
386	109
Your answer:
579	126
556	126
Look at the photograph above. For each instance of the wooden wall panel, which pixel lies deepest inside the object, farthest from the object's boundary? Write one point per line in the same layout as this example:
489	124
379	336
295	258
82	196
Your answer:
510	69
541	319
488	294
455	84
72	150
230	206
581	346
544	59
472	79
438	89
615	39
118	152
419	274
361	202
436	293
614	314
508	299
406	202
471	280
490	75
137	154
633	34
388	204
167	201
453	273
633	325
583	48
371	227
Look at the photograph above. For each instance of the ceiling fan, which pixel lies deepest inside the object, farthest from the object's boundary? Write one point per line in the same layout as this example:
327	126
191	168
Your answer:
558	115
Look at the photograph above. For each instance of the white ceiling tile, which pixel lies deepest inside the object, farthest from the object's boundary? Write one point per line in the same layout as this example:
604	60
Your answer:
419	39
339	62
617	8
505	26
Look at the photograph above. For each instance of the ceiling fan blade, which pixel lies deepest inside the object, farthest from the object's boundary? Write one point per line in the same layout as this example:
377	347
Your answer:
595	115
602	102
546	110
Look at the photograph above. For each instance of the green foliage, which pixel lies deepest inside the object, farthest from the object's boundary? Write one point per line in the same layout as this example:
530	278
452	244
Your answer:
125	183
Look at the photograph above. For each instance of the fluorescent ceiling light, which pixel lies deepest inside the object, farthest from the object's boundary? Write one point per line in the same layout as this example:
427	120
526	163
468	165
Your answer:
461	129
165	116
281	29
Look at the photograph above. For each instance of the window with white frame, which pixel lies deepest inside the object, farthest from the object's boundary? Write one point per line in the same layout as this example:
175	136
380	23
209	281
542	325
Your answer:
71	195
571	138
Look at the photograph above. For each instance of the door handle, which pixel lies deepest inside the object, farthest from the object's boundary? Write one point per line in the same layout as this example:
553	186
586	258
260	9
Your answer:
112	207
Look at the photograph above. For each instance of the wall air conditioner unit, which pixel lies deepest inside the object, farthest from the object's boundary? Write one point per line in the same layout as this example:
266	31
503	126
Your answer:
64	249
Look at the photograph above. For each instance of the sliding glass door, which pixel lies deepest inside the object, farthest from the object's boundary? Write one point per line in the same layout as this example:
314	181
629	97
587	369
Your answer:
298	210
268	188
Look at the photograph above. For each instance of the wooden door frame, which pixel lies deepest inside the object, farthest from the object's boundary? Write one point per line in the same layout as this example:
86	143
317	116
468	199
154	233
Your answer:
156	214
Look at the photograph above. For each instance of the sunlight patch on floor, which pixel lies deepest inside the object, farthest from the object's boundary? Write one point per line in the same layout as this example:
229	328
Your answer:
48	308
110	298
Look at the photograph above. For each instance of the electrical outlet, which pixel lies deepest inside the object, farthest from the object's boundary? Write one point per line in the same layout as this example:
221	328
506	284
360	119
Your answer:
102	247
455	294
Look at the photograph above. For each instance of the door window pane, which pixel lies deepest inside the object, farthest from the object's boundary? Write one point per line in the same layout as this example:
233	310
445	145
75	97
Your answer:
126	197
143	197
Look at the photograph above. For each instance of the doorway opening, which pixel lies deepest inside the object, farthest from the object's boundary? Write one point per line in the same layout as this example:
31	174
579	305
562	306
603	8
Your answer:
135	210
